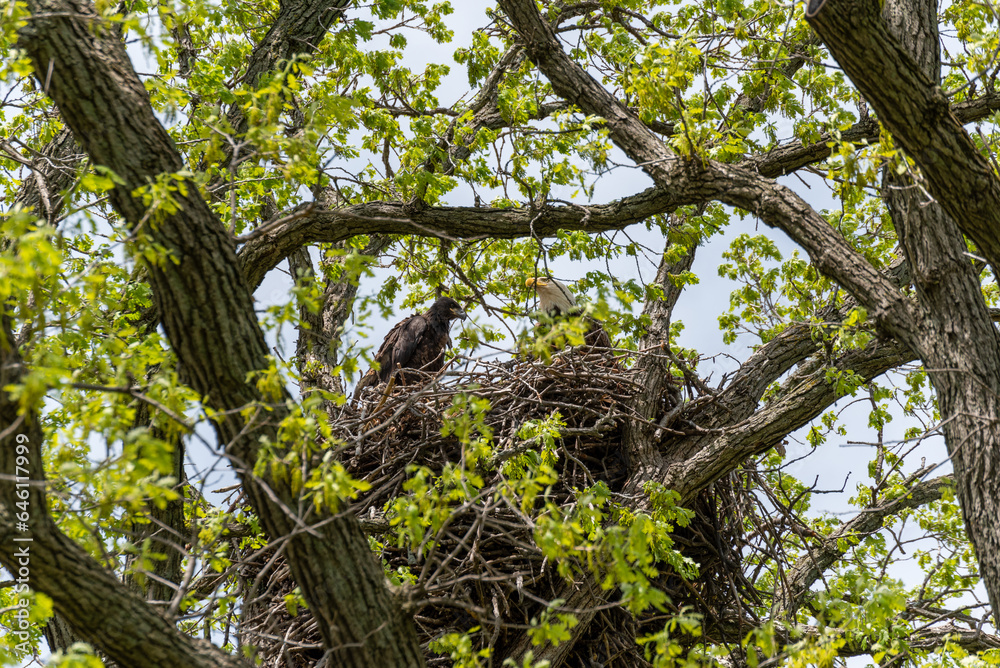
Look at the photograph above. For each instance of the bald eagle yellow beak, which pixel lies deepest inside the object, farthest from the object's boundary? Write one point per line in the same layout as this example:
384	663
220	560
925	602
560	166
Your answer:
529	283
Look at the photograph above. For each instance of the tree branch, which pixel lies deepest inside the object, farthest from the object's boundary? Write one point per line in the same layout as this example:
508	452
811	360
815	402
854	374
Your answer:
94	602
697	180
808	569
299	28
957	333
207	313
804	396
775	204
918	114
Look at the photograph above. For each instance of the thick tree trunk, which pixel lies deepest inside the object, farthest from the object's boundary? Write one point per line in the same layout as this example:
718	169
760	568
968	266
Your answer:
960	348
915	109
894	61
208	315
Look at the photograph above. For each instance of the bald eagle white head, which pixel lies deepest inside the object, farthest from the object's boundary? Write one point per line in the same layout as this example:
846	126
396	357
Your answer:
554	297
556	300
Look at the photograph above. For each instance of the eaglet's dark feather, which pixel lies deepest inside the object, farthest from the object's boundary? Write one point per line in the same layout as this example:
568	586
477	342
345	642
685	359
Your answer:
418	342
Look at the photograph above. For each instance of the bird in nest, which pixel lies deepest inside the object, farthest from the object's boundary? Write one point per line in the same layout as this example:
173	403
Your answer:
557	302
417	342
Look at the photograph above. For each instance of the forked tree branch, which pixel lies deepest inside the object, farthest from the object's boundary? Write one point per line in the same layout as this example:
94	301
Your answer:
809	568
693	180
917	112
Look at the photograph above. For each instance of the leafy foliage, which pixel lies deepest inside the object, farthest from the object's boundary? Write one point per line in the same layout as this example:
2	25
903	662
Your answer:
366	115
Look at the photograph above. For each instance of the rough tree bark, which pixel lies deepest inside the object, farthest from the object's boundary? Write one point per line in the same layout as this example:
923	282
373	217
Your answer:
893	60
917	113
208	315
937	334
207	311
84	593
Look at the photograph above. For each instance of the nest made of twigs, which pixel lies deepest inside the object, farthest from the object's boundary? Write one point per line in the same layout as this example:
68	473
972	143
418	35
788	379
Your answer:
484	569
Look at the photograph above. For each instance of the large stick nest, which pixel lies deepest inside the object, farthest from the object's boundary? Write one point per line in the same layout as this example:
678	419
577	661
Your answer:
483	568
